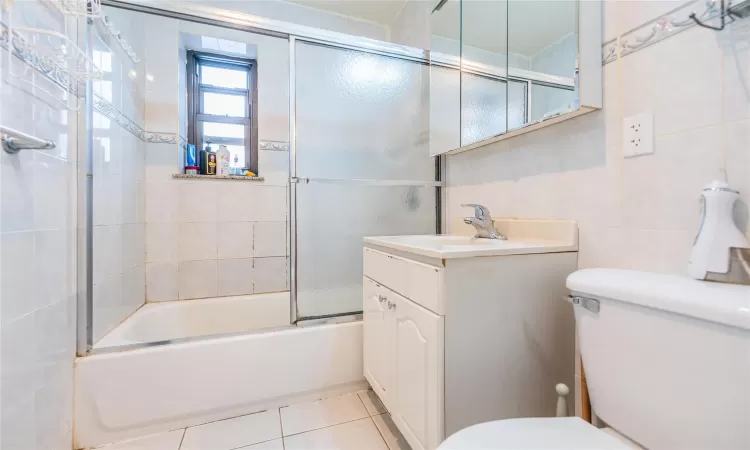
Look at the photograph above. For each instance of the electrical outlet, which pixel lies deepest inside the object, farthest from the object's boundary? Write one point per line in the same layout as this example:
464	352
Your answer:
638	135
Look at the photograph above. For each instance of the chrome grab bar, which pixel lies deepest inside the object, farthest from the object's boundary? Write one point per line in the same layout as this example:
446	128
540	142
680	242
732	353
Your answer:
14	141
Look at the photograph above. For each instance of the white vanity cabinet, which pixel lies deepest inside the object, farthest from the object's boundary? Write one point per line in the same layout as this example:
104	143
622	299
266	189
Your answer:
403	354
452	340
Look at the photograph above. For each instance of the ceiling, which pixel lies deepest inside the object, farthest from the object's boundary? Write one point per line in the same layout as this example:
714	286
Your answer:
383	12
534	24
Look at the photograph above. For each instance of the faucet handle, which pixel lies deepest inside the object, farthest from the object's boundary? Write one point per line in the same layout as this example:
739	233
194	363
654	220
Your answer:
480	212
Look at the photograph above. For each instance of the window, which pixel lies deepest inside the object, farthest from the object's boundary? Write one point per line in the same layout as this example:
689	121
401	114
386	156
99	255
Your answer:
223	107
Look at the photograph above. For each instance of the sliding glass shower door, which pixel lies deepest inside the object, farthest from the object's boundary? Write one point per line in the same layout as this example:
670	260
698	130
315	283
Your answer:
361	125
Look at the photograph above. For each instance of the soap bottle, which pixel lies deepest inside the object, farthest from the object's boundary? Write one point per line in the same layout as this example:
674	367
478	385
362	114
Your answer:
222	161
208	161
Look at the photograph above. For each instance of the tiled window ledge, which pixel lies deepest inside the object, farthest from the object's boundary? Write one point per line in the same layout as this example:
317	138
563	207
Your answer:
216	177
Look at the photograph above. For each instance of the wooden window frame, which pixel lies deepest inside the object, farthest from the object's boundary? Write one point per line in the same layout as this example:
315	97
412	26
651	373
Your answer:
195	102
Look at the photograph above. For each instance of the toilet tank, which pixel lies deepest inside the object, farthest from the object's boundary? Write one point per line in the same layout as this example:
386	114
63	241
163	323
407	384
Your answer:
666	358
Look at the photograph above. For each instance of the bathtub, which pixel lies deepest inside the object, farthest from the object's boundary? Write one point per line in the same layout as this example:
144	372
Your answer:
176	320
126	394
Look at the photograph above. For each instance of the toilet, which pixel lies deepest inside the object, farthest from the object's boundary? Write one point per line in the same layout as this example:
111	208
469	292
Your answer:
667	364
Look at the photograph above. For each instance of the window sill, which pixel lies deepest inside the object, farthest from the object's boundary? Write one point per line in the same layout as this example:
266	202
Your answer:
216	177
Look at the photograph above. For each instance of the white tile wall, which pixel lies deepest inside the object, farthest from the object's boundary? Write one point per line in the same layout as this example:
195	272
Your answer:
119	178
197	279
37	259
235	277
209	237
639	213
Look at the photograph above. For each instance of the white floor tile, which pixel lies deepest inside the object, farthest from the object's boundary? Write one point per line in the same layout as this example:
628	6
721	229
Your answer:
359	435
372	402
163	441
390	433
321	413
276	444
233	433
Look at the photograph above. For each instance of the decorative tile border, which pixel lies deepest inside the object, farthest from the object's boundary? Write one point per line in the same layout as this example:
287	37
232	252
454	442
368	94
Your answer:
280	146
158	137
656	30
108	110
26	53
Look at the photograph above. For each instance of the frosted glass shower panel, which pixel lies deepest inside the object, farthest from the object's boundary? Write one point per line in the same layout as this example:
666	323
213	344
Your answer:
362	153
361	115
445	109
483	108
332	219
517	104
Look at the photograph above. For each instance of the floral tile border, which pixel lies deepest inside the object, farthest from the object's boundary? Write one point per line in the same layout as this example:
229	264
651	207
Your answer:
108	110
658	29
281	146
26	53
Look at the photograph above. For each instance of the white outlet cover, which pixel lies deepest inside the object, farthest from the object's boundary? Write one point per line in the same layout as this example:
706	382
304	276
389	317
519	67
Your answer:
638	135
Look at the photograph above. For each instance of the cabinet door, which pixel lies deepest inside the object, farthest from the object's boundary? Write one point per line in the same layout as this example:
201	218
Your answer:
417	373
376	342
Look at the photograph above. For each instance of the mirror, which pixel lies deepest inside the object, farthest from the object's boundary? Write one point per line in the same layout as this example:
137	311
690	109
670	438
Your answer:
445	76
484	87
508	65
542	54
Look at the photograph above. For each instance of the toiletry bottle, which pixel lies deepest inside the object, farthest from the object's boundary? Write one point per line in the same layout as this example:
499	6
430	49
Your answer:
222	161
191	160
208	161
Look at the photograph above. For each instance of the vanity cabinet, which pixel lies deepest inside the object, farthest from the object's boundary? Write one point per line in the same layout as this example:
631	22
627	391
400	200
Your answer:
453	342
403	353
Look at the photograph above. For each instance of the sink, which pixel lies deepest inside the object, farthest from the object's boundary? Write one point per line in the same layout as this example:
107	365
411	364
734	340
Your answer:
447	241
524	236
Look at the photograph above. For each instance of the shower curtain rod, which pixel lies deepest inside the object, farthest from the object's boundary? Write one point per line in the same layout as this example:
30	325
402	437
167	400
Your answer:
210	15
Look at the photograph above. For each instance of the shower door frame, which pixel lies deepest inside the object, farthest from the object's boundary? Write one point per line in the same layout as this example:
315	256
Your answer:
236	20
294	180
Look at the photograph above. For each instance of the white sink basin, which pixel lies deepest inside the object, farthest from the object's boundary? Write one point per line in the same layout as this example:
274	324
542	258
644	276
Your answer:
450	246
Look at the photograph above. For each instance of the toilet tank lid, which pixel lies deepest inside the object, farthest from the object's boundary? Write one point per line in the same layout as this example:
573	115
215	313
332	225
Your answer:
727	304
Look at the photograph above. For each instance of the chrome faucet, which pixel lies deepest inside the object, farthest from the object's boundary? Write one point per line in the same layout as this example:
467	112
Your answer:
482	221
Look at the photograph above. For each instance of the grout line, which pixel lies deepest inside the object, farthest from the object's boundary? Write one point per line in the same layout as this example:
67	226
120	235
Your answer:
281	425
380	433
254	443
329	426
229	418
363	403
182	439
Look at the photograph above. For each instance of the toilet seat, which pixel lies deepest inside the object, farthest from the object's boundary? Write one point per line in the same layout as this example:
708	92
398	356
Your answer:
571	433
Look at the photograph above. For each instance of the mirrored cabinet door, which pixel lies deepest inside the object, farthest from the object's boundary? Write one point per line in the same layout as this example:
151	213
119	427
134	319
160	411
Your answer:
484	62
543	52
445	76
504	67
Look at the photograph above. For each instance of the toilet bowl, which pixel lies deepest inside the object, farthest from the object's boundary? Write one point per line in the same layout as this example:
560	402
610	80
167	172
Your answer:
561	433
667	362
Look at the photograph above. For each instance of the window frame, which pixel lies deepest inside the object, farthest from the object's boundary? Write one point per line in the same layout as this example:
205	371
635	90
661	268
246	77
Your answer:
195	91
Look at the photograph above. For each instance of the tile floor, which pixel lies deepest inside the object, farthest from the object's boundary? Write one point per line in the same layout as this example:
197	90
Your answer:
355	421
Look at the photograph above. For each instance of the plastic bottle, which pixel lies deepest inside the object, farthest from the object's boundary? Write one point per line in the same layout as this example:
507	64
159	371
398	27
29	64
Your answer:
222	161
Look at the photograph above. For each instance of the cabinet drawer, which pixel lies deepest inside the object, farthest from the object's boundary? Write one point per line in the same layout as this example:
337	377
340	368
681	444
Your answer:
421	283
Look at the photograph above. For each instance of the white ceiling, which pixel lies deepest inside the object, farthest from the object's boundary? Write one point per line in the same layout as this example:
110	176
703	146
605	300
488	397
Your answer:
383	12
534	24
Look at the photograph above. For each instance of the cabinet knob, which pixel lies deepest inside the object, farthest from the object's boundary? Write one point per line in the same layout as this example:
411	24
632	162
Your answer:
391	305
382	298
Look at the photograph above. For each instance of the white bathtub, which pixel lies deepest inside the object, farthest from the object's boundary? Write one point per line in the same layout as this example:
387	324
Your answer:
133	393
155	322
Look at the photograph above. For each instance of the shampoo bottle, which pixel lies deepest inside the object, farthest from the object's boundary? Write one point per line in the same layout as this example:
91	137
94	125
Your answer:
222	161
